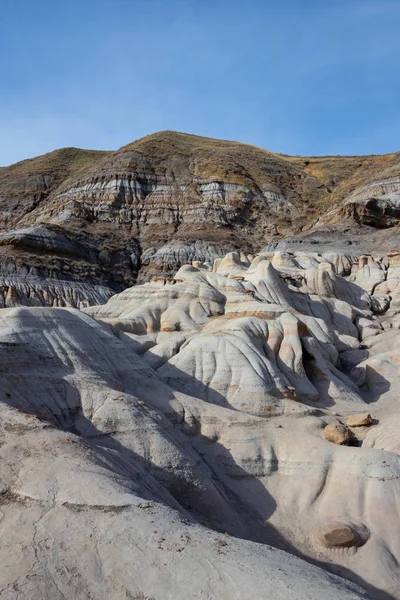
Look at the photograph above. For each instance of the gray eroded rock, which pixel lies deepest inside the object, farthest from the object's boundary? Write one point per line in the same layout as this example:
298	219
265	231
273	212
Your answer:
136	430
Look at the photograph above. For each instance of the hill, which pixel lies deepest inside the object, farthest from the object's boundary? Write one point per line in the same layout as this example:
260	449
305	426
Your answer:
109	218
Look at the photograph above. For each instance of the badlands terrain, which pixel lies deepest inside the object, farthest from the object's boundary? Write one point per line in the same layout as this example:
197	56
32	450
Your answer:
199	392
76	226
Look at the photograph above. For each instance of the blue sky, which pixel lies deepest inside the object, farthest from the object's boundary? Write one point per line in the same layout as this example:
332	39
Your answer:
294	76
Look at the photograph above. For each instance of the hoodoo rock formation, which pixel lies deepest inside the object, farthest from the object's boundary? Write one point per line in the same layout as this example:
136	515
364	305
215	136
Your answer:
199	375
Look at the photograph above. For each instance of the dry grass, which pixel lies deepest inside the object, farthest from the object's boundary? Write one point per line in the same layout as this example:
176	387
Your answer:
255	167
212	159
311	183
58	164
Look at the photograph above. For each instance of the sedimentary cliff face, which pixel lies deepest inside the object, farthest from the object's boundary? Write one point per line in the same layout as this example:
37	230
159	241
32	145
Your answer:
230	433
108	219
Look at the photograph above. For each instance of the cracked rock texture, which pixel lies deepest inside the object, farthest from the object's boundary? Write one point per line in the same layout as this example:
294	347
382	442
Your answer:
171	443
109	219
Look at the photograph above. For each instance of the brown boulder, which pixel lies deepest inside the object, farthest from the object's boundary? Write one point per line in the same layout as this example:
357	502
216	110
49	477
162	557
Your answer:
337	433
342	535
359	420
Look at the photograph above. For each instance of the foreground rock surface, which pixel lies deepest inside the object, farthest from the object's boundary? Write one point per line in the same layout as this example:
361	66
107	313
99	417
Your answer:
170	442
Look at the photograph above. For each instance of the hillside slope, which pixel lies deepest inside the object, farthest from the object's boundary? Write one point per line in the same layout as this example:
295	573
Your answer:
100	220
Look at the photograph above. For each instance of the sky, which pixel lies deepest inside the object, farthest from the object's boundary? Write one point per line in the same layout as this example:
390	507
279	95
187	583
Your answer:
308	77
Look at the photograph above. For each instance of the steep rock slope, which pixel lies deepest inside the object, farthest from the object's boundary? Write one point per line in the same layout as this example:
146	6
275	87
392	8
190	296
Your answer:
105	218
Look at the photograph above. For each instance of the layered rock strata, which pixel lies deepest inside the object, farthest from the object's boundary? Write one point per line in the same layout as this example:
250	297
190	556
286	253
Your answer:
114	218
